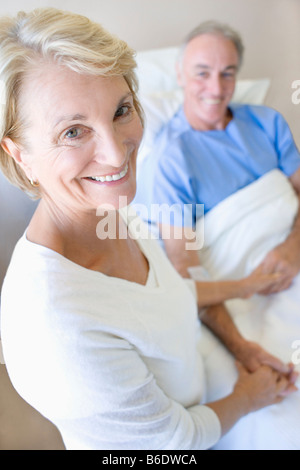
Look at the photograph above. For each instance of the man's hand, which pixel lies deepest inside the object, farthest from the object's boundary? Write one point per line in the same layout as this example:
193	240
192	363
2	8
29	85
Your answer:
253	356
283	260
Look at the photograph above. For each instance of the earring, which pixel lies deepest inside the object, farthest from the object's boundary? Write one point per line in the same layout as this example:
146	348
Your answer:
34	183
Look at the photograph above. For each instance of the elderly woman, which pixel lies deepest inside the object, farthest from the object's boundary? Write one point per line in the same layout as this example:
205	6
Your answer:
100	333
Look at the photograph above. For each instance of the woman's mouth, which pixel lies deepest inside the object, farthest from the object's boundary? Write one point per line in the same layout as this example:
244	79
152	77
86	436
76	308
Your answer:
109	178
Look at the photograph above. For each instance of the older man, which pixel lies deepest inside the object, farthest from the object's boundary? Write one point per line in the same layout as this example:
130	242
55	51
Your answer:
224	156
211	149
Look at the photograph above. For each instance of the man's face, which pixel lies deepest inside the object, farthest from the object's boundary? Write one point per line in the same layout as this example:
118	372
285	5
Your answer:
208	76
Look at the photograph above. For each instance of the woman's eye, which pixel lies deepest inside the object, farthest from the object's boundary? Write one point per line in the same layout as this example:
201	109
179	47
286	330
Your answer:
73	133
123	110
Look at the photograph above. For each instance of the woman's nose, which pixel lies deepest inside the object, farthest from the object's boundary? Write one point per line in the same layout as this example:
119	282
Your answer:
111	149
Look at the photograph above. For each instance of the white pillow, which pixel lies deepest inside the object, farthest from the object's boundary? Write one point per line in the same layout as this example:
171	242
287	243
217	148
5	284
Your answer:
161	97
156	70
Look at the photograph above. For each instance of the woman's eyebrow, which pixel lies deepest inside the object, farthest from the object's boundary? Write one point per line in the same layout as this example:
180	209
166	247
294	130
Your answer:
125	97
81	117
70	117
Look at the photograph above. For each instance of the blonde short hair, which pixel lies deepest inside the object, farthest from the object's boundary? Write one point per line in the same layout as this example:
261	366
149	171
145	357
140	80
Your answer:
69	39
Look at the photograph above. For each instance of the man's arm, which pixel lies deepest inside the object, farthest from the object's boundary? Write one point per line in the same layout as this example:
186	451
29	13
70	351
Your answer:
209	292
215	316
250	354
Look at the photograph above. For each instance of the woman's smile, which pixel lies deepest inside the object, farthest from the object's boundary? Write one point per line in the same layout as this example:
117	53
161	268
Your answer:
111	177
86	137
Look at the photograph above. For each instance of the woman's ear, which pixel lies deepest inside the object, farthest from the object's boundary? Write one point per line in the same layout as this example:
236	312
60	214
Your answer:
14	150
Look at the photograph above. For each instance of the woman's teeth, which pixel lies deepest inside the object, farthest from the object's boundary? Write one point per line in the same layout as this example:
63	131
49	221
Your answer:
115	177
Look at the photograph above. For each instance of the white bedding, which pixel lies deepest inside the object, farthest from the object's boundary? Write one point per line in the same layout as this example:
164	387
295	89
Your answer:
239	232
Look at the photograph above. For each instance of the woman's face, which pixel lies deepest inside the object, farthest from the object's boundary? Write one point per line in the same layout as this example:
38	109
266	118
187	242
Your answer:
82	136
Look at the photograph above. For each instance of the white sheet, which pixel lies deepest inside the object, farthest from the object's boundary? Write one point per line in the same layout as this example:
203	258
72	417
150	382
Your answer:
239	232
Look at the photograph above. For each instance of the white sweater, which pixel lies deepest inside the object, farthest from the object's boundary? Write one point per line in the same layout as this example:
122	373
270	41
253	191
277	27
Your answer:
113	364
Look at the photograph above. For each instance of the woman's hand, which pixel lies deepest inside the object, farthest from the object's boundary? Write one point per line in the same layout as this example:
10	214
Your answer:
259	282
252	391
253	356
261	388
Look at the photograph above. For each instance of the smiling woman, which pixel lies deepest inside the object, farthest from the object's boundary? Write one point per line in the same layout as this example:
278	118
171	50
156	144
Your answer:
100	334
95	138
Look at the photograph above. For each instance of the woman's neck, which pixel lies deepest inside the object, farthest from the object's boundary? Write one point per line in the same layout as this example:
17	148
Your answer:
97	243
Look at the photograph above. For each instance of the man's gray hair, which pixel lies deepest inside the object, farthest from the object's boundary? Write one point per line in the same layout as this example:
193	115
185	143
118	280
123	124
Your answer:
216	28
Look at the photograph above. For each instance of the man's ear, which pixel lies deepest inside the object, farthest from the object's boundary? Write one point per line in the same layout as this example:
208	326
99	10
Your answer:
16	152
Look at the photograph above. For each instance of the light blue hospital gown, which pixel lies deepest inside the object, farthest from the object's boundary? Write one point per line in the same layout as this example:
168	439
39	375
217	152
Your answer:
189	168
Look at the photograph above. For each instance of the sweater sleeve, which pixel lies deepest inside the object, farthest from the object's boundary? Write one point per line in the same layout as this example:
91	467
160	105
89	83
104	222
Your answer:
192	286
100	393
103	376
102	396
123	407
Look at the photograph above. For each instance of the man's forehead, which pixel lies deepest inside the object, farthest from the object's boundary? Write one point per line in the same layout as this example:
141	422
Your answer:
205	48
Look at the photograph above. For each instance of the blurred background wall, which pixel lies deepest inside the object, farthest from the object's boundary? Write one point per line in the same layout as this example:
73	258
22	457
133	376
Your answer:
270	28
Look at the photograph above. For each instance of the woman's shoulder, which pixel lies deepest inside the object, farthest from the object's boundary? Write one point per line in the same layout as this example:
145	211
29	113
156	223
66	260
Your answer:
32	261
39	276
